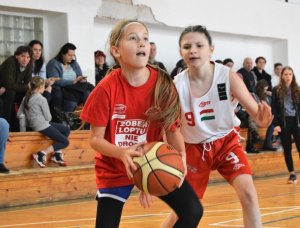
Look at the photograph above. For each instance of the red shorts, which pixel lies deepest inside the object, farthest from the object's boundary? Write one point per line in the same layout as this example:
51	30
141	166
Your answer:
225	155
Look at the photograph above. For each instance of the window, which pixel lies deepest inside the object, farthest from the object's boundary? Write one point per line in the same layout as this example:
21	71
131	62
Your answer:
16	31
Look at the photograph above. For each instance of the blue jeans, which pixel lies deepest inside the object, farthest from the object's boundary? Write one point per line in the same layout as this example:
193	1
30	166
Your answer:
59	133
4	129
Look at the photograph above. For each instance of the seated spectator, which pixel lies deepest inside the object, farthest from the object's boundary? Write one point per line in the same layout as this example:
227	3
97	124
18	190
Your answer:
38	117
259	71
180	66
250	81
15	74
4	129
228	62
39	66
71	88
264	95
152	60
101	66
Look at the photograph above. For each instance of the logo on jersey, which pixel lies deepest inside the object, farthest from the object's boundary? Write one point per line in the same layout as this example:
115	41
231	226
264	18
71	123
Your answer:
204	103
207	114
222	91
119	111
130	132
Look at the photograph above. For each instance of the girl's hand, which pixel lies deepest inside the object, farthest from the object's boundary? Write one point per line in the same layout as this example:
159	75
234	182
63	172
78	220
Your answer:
128	155
277	129
145	199
264	115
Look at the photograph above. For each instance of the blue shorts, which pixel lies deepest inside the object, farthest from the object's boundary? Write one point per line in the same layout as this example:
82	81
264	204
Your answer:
118	193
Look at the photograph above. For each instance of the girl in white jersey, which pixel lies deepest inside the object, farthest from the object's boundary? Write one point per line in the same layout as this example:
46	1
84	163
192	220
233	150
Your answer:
209	125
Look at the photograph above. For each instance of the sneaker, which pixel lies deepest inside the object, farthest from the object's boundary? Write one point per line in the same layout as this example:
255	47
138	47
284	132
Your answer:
3	169
40	158
58	158
292	179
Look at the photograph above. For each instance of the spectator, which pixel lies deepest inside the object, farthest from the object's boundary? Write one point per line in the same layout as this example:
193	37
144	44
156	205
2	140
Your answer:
4	129
219	61
180	66
15	74
228	62
152	56
250	81
259	71
38	117
39	66
101	66
276	76
71	88
264	95
286	107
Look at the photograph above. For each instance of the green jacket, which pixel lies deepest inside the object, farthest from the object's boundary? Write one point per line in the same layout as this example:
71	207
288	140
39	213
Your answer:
12	78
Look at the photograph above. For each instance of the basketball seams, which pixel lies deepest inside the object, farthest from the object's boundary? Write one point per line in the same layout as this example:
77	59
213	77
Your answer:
153	167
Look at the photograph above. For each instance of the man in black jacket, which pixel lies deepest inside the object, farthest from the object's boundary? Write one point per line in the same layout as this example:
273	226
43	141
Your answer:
15	74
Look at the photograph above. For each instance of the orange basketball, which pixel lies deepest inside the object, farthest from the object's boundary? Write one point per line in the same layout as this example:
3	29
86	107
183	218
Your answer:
160	170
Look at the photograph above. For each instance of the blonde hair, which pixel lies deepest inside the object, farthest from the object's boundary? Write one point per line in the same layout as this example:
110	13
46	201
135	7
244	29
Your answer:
35	83
166	107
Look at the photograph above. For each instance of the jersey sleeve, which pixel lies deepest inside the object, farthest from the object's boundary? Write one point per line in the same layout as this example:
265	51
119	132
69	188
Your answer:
96	108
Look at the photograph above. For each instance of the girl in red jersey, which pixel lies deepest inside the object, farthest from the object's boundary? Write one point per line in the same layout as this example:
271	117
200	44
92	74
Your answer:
209	123
133	104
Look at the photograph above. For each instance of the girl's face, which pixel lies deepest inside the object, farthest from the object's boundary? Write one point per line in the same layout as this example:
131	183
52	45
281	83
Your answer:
99	60
195	49
37	51
42	88
287	77
134	47
261	63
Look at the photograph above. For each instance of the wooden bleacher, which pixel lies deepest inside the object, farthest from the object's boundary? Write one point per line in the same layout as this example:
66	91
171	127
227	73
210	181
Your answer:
28	184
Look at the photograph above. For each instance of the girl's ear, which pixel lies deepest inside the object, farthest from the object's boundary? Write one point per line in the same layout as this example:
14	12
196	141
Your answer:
115	52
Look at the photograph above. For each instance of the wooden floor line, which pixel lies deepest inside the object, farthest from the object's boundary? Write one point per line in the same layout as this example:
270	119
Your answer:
283	219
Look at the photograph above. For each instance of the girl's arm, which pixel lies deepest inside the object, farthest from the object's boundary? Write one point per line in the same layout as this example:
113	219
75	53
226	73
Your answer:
175	139
101	145
261	113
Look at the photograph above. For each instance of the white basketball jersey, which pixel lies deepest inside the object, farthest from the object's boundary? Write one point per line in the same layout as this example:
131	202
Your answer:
211	116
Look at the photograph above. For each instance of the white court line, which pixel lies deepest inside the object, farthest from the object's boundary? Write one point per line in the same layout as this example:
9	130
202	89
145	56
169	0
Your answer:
262	215
160	214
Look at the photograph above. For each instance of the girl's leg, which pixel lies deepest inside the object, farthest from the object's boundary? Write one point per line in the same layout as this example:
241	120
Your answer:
109	212
186	205
244	187
59	134
285	136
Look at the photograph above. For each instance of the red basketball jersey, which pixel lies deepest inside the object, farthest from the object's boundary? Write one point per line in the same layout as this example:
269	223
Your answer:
121	108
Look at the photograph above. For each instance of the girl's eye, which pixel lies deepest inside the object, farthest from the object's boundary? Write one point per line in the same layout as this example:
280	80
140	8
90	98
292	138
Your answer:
132	38
199	45
186	47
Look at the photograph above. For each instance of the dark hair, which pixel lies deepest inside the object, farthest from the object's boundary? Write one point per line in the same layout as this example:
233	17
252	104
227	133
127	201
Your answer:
35	83
219	61
260	57
151	43
39	62
282	90
196	28
64	50
277	64
228	60
260	89
23	49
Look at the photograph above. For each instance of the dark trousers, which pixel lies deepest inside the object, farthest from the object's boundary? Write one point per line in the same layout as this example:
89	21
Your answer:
291	128
9	98
59	133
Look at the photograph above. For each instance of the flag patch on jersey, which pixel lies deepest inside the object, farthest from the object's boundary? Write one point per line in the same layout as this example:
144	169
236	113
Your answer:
222	91
207	114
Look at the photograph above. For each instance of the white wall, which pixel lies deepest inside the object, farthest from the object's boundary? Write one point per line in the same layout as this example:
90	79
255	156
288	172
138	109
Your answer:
253	28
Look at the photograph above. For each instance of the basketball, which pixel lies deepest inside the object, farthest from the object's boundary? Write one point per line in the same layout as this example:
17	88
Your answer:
160	170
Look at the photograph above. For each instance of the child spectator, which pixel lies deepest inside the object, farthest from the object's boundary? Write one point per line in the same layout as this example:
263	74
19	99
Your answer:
38	117
101	66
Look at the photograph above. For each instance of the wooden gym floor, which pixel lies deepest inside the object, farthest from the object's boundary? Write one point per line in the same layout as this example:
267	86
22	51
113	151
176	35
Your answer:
279	203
